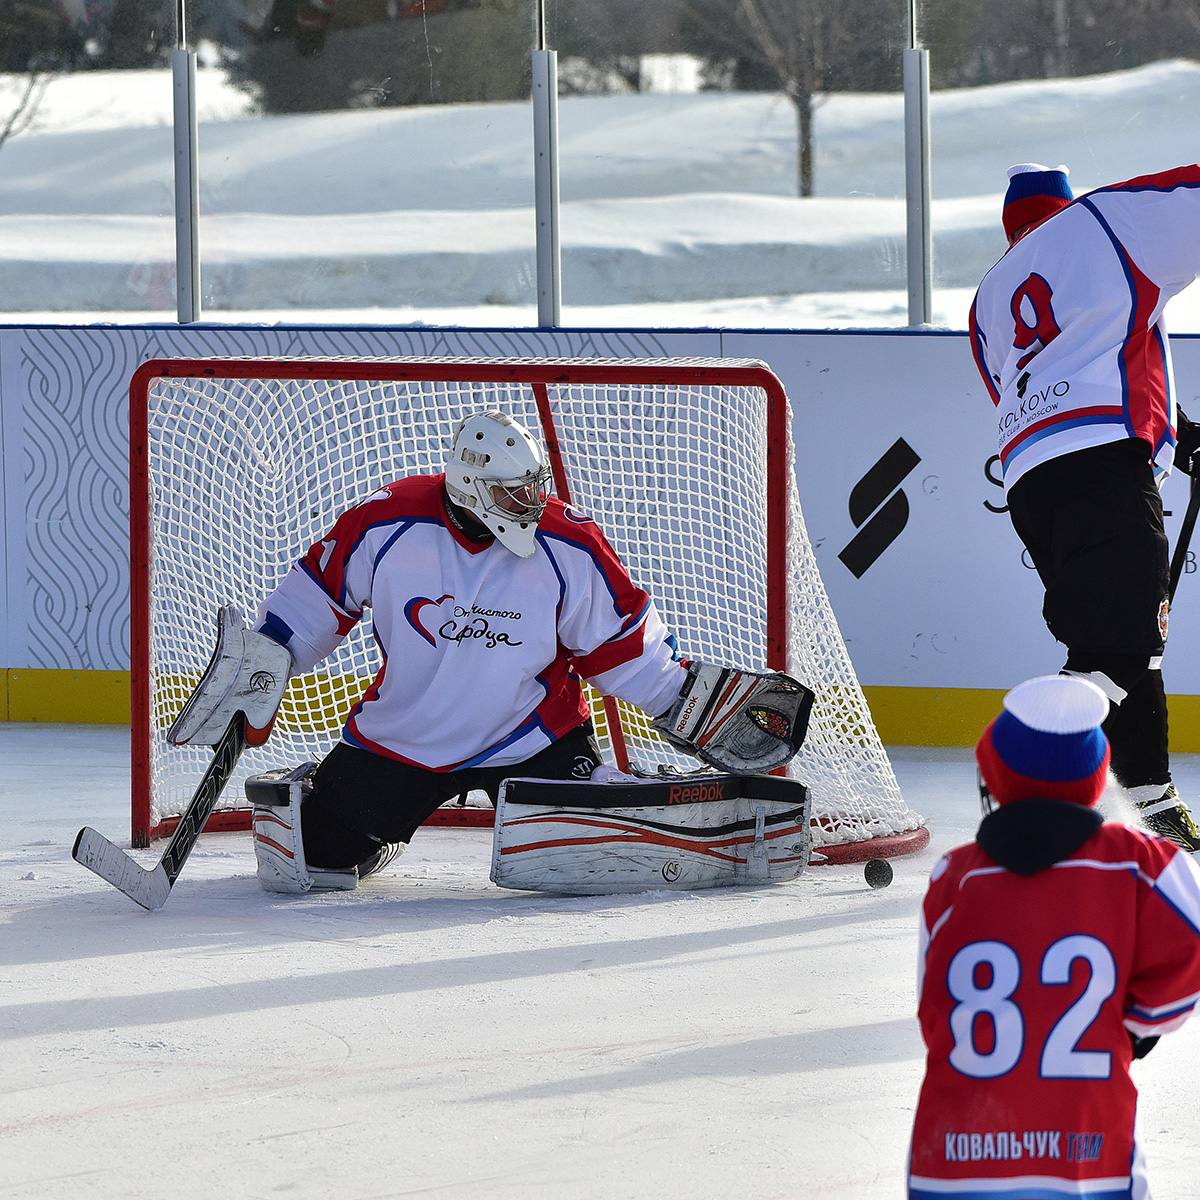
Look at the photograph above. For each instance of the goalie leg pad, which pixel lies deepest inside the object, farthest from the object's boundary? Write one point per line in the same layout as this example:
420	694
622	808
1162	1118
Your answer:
278	843
739	721
698	832
278	848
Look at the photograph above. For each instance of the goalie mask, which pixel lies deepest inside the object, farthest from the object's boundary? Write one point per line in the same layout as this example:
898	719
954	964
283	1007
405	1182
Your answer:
499	474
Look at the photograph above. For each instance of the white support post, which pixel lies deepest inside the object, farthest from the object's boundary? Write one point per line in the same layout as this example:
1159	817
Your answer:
545	187
187	187
918	187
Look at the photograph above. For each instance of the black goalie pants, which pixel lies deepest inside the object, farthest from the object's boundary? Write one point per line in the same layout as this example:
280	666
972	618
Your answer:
1092	522
361	800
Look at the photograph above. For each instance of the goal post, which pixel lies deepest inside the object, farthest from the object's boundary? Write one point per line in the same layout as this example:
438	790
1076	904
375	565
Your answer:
238	465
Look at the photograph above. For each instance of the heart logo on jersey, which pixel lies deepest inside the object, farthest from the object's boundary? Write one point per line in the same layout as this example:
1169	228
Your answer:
416	606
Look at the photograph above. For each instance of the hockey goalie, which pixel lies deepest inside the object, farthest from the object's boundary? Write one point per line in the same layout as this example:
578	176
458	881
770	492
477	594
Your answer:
490	601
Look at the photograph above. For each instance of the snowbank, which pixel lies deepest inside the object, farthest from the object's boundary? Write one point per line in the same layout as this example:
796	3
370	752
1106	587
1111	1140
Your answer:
667	199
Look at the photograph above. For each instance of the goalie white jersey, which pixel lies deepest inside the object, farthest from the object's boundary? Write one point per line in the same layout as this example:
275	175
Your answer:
482	650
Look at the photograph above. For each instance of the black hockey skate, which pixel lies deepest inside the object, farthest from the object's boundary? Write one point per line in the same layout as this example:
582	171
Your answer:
380	859
1168	816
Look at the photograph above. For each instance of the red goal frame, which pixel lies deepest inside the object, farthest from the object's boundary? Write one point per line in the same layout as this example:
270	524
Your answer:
539	374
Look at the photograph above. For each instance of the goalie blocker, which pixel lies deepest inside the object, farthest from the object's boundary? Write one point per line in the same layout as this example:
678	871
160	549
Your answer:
746	722
696	831
247	674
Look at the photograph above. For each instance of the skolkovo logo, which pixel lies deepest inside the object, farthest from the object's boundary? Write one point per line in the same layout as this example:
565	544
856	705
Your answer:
877	492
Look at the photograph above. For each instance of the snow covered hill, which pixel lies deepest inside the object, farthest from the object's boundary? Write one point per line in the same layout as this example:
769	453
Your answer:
674	206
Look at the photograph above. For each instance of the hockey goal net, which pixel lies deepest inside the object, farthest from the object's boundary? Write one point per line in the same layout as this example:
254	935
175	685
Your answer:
239	465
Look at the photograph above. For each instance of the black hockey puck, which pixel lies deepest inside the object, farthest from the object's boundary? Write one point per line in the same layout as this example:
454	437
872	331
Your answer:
878	873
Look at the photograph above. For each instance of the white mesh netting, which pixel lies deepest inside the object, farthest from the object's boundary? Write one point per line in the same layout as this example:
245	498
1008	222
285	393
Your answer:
246	473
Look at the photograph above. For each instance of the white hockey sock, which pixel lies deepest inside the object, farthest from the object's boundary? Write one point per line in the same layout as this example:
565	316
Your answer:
1113	691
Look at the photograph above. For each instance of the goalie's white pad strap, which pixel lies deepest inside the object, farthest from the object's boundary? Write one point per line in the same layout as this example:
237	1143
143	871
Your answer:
247	673
711	831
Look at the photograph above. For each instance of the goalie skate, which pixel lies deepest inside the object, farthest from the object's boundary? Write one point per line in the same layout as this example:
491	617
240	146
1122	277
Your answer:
700	831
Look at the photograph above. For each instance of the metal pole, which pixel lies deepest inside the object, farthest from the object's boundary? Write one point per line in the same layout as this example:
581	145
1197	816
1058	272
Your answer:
918	187
545	184
187	175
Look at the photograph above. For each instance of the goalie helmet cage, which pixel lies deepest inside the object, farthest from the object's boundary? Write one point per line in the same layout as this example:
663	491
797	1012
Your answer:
238	465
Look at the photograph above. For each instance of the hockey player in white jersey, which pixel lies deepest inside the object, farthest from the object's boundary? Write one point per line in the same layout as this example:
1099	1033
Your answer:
490	599
1067	333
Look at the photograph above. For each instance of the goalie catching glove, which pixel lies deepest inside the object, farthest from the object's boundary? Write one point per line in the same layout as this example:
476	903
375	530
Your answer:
247	673
746	722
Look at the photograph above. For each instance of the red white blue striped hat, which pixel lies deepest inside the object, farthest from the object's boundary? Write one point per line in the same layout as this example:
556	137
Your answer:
1034	192
1047	744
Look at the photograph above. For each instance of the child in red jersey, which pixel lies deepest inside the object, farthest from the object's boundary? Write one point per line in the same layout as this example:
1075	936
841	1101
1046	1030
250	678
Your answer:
1055	949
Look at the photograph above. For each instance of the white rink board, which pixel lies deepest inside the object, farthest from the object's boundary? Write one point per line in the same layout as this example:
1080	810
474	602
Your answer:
951	602
948	603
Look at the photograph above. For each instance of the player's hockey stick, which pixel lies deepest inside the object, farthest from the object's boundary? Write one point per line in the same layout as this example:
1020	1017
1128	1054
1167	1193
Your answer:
1179	558
151	888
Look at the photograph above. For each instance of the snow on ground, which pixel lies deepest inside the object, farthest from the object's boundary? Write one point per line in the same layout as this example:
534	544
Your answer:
433	1035
678	209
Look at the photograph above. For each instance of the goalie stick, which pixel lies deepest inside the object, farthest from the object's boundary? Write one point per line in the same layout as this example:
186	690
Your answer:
150	888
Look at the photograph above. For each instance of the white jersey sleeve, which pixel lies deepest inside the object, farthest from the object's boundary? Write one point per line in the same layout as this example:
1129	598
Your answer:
1158	218
617	639
323	596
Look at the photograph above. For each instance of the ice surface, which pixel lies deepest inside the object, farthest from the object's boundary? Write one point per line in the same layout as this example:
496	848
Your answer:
433	1035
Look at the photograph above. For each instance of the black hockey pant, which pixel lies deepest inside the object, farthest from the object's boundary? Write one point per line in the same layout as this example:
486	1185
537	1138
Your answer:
1092	522
361	800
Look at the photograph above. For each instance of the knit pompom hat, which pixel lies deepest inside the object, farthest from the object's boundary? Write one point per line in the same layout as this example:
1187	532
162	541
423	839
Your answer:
1047	744
1034	192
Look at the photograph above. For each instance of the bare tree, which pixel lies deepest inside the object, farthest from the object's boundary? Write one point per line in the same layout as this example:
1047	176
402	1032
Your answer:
974	43
805	48
601	43
793	39
36	43
30	90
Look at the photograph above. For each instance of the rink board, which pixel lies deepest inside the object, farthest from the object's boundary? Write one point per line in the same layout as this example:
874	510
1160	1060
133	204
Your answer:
939	610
